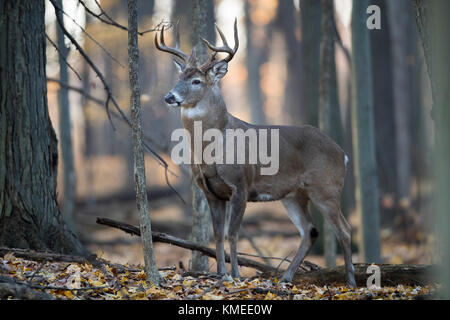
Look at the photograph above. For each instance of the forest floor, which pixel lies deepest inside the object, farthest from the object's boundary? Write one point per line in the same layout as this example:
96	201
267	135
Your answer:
124	277
85	281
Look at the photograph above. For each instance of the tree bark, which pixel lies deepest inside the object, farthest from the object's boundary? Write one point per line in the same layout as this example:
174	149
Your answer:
328	102
310	20
201	219
366	192
286	22
257	52
65	126
383	106
151	269
29	213
439	65
398	12
310	25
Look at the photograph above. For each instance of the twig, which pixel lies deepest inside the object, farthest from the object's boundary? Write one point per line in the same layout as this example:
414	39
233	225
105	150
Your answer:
78	90
37	270
90	37
166	238
65	60
114	23
285	259
101	103
111	98
263	257
253	244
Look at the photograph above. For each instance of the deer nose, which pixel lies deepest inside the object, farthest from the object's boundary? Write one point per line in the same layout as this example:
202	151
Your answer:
169	98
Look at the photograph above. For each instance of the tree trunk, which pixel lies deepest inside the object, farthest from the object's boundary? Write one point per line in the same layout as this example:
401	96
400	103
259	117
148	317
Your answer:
328	102
398	12
438	63
151	269
286	21
311	24
310	19
29	214
383	109
257	52
201	219
69	179
366	192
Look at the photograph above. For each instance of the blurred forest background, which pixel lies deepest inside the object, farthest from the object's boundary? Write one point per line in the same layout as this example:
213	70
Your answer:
273	79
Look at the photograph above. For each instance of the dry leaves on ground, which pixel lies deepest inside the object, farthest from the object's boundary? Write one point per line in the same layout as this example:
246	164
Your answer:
84	281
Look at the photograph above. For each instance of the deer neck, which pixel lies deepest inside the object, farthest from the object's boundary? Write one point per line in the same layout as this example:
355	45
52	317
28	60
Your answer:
210	110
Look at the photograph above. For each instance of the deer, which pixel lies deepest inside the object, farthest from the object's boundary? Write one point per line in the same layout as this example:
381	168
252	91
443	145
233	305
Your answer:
312	166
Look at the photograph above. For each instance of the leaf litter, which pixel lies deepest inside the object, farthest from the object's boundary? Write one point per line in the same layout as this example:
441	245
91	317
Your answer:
75	281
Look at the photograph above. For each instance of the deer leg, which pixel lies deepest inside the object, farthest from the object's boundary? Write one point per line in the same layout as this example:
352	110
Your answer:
237	206
329	206
218	210
297	208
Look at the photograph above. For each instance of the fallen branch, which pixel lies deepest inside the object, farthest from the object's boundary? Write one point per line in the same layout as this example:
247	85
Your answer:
166	238
22	292
391	275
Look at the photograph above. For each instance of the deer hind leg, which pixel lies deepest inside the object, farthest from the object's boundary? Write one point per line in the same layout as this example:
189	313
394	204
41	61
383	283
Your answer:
329	206
297	208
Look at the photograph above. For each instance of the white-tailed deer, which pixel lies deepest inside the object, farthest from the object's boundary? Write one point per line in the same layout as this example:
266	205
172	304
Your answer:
311	165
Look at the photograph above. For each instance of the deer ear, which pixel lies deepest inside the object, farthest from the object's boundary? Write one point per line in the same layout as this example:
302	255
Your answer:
180	67
218	71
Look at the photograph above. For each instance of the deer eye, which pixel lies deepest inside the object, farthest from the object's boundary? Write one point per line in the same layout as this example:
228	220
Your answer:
196	81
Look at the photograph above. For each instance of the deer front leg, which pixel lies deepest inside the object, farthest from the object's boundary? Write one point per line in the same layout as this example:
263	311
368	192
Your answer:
237	206
218	211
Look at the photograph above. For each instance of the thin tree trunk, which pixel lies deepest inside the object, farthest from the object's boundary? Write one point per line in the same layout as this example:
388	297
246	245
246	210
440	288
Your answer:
201	219
286	21
383	106
399	28
367	202
257	51
138	153
327	103
29	214
311	23
310	19
69	179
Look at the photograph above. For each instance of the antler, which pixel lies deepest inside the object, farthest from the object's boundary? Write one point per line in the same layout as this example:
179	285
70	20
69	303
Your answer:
225	48
175	51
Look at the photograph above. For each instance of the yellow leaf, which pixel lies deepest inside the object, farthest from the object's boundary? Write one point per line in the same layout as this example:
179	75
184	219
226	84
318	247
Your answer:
177	288
68	294
188	283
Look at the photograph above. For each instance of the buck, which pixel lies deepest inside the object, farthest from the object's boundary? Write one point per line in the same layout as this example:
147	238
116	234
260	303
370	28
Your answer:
312	166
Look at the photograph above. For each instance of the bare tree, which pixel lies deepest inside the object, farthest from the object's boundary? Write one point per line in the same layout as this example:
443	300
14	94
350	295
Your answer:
367	201
328	102
138	152
257	54
65	126
398	14
310	21
201	220
287	23
433	25
29	214
310	14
